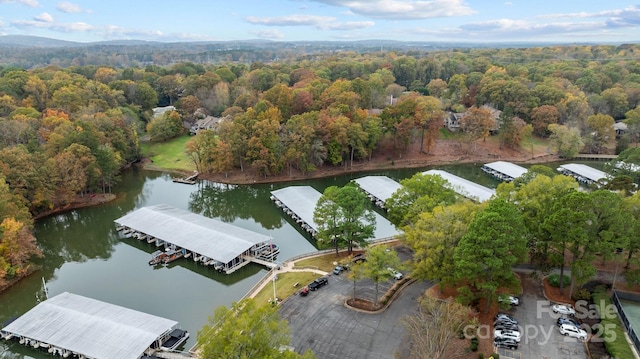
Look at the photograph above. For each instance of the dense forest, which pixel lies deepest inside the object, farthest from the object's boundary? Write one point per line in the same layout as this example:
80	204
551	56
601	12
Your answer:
68	131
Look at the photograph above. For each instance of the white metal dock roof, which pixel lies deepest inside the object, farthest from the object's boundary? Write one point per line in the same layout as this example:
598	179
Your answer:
382	187
510	169
464	187
90	327
301	200
585	171
206	236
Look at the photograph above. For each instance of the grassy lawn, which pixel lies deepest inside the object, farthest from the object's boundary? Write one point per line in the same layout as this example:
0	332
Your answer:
169	154
615	342
284	286
324	263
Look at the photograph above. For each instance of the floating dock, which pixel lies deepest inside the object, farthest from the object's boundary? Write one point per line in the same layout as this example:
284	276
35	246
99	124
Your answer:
70	325
299	202
378	188
582	173
504	171
464	187
187	180
211	242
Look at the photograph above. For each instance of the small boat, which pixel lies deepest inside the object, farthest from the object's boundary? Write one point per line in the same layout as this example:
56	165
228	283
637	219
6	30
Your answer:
157	257
175	339
151	239
172	255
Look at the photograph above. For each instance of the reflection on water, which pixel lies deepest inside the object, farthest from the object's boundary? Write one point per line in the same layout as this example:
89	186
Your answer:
85	255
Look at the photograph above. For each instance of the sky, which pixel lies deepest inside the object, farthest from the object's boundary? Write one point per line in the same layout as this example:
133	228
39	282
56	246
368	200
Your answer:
477	21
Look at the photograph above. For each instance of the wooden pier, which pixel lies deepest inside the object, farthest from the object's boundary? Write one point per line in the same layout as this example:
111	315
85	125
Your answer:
187	180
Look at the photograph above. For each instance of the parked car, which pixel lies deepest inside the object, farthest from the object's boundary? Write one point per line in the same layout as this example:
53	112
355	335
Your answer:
358	258
513	300
506	325
339	269
570	321
504	317
565	309
397	275
506	343
510	334
573	331
319	282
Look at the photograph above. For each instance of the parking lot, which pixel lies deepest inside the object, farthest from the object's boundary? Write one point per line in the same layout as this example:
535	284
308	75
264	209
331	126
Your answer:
540	335
321	322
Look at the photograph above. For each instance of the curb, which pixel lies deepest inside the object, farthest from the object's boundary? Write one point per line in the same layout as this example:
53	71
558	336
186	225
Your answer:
408	282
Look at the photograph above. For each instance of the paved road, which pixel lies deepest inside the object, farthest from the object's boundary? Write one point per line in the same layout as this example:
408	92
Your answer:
322	323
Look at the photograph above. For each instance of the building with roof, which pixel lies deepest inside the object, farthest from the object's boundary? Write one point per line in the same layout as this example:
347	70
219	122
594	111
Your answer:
300	202
73	325
224	246
464	187
583	173
207	123
504	171
378	188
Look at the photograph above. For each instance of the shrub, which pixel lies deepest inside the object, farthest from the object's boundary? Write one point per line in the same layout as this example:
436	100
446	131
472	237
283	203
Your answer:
582	294
554	280
474	344
480	355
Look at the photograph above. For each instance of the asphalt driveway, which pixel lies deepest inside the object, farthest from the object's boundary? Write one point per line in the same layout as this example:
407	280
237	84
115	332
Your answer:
322	323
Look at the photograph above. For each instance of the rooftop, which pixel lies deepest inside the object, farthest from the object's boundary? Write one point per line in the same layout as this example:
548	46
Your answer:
464	187
206	236
510	169
382	187
585	171
90	327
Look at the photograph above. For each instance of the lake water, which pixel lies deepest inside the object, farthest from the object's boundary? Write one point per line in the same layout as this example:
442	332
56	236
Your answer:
85	255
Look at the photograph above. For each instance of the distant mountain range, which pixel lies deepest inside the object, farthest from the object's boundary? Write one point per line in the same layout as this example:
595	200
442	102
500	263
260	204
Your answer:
25	41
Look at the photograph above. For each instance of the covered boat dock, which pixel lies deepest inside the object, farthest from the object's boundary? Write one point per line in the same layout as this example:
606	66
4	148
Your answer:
211	242
378	188
464	187
71	325
582	173
299	202
504	171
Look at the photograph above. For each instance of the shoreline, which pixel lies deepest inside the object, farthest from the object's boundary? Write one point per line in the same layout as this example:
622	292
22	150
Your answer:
237	177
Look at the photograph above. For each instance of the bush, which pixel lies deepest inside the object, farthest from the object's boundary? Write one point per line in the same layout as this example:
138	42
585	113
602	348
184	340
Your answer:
480	355
582	294
474	344
554	280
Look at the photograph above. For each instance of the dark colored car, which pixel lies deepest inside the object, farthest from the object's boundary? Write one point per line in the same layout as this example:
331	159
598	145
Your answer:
322	281
505	326
505	343
569	321
503	317
359	258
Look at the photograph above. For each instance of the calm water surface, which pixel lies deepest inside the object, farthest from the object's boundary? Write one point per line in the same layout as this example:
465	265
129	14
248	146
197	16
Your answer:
85	255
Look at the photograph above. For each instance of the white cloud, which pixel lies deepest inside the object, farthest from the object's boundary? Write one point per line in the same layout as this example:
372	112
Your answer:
527	30
268	34
69	7
61	27
404	9
319	22
29	3
44	17
291	20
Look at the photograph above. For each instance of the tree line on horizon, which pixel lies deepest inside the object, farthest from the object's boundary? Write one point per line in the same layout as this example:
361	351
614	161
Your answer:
69	131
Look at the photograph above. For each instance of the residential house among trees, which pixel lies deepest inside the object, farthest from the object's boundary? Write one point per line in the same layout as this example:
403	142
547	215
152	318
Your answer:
207	123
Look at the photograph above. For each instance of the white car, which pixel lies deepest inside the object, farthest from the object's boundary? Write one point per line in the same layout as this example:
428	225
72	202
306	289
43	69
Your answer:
513	300
397	275
505	333
565	309
573	331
